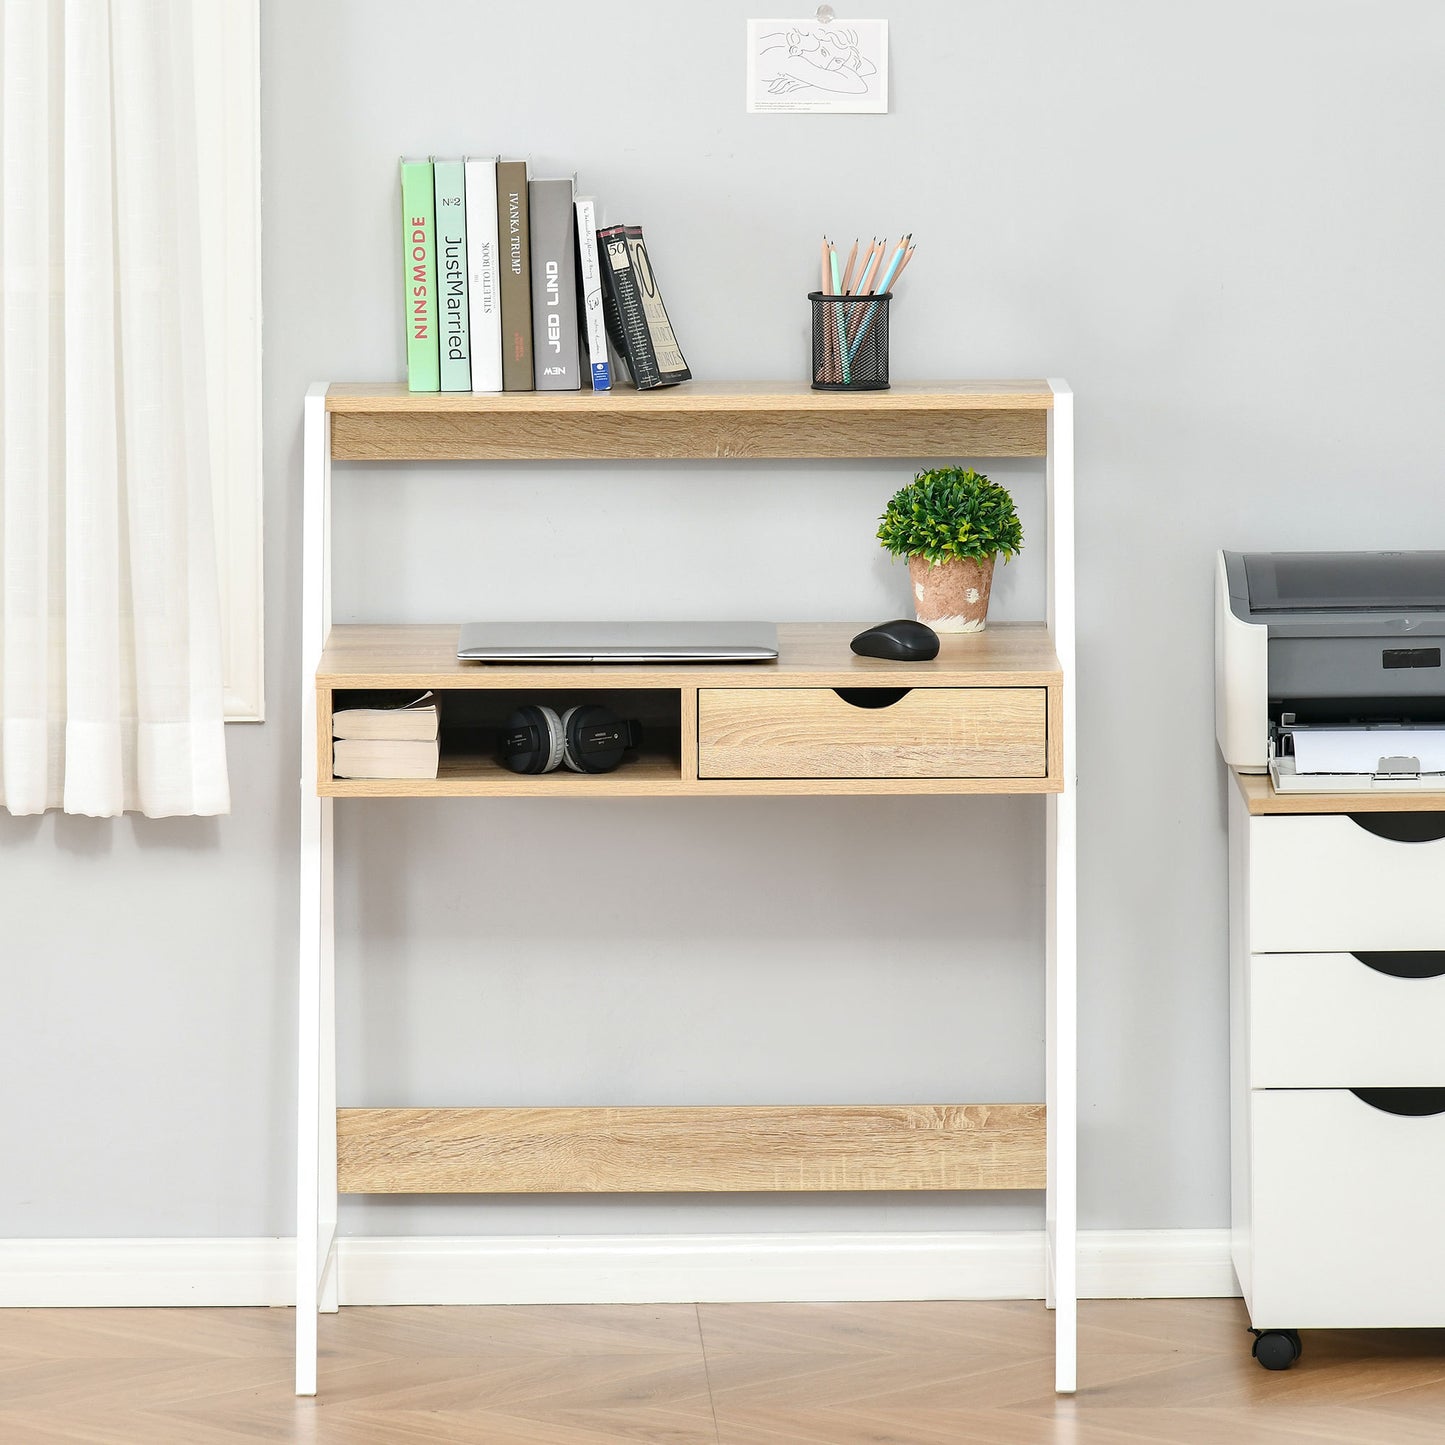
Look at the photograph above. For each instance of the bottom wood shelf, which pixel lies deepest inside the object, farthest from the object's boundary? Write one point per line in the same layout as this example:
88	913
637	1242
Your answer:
690	1149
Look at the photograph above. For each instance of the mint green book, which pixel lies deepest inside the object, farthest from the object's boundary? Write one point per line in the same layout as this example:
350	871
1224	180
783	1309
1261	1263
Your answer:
456	355
419	267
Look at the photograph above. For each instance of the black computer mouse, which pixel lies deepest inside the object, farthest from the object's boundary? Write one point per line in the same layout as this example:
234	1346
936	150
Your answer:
902	640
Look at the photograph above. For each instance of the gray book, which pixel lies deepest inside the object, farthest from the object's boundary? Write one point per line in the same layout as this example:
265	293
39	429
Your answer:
556	359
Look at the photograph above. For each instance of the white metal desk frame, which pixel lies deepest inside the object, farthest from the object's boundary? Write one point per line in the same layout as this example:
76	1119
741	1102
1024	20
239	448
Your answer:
316	1195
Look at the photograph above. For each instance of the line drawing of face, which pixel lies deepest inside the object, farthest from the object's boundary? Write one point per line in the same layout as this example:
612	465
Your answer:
822	59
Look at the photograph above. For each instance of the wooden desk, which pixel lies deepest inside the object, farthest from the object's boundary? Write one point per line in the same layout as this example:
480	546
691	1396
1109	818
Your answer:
993	713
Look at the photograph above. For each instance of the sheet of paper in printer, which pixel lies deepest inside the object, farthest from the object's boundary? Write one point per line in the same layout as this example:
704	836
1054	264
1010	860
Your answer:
1359	750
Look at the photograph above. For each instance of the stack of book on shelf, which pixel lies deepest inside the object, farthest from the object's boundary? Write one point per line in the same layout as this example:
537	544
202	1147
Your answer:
511	286
386	735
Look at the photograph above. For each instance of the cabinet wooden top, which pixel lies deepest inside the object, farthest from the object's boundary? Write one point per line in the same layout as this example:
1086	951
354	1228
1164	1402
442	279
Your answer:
810	654
1260	798
383	421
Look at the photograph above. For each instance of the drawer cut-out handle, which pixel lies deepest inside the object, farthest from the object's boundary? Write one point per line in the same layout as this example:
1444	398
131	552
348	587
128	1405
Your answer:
1402	827
1421	963
872	696
1410	1102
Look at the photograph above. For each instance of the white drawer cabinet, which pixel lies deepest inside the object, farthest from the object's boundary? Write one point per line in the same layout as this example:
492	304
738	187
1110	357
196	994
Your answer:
1321	883
1347	1219
1342	1020
1337	1042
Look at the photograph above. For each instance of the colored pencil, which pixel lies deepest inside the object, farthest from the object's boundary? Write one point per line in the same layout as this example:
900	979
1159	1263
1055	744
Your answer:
838	311
879	251
826	362
887	281
903	265
865	275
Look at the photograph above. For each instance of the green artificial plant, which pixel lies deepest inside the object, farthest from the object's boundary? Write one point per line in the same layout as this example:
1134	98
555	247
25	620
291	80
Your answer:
949	513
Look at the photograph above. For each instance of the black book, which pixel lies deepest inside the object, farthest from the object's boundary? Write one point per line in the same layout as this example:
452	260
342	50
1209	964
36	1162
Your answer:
671	364
622	306
636	318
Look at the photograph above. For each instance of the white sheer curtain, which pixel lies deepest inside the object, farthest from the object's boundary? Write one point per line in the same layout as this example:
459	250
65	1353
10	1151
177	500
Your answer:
110	634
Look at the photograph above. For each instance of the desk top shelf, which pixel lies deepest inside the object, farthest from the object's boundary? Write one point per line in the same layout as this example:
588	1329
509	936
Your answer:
383	421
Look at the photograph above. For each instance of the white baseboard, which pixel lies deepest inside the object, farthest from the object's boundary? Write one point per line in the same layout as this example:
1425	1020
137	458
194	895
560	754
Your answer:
57	1273
620	1269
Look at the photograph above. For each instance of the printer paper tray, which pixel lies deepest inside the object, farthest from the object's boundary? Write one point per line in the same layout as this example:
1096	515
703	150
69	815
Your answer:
1286	780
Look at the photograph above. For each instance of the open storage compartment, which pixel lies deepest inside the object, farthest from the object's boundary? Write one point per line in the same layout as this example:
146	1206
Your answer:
473	718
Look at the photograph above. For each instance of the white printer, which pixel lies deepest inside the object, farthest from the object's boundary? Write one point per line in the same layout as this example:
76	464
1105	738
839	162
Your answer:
1328	669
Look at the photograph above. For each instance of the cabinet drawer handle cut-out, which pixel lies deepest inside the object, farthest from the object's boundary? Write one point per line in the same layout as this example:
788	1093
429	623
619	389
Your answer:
1402	827
1410	1102
872	696
1421	963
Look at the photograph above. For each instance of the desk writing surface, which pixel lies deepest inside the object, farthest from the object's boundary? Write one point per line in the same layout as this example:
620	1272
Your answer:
810	654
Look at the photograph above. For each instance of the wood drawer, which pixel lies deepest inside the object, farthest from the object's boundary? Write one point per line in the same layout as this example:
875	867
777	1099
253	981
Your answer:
1326	884
1332	1020
922	732
1346	1212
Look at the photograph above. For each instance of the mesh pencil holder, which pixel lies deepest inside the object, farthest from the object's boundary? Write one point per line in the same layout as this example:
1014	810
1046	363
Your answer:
850	342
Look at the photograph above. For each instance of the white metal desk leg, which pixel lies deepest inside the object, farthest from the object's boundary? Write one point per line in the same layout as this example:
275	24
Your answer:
315	1072
1061	985
326	1265
1061	1208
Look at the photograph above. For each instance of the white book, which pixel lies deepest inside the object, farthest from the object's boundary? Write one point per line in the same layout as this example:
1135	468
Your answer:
484	295
390	716
591	268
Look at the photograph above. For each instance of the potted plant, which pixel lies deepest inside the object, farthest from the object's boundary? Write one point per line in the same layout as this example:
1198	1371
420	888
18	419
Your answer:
951	524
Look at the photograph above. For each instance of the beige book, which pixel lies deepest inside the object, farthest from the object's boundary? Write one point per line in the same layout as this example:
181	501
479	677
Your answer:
384	758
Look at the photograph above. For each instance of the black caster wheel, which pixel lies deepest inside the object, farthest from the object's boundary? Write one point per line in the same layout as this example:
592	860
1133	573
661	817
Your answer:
1277	1349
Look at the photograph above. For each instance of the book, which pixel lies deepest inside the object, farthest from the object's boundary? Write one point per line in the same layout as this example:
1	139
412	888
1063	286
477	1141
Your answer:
593	326
387	715
454	325
622	308
384	758
556	363
666	352
483	274
418	248
516	262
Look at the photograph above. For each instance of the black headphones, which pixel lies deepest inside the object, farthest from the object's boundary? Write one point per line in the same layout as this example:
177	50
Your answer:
588	738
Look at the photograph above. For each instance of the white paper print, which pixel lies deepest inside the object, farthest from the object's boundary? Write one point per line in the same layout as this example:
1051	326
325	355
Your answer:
811	67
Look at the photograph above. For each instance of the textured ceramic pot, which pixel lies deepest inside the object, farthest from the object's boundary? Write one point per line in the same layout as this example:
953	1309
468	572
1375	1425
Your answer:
951	596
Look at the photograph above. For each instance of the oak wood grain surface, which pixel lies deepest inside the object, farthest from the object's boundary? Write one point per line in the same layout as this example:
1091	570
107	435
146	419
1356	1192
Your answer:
1015	659
702	1149
423	655
1261	798
386	422
934	732
907	397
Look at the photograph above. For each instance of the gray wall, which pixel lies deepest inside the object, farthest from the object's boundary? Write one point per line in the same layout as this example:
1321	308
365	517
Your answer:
1221	225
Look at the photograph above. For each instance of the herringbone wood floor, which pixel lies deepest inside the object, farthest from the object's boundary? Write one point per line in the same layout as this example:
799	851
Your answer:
1175	1371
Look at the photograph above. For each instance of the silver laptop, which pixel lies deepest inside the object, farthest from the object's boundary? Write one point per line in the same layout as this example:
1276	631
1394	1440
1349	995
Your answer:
618	642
